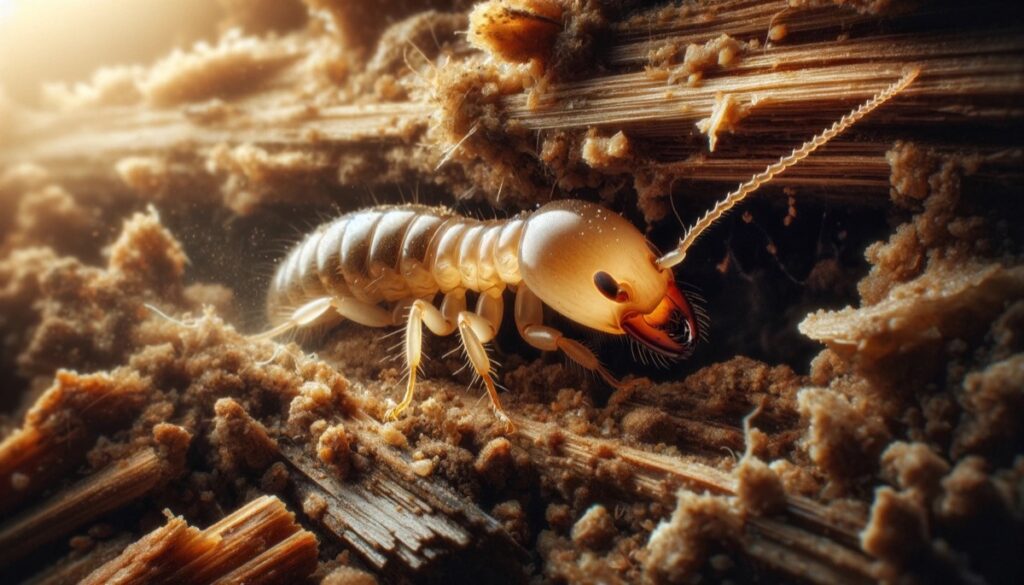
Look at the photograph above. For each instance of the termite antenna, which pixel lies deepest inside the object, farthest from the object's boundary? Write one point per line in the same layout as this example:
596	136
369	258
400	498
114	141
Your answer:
676	256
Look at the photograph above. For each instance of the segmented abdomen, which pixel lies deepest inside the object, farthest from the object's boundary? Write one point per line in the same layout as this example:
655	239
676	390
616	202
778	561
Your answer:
391	253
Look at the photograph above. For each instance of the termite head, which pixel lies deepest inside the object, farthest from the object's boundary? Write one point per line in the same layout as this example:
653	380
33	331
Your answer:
596	268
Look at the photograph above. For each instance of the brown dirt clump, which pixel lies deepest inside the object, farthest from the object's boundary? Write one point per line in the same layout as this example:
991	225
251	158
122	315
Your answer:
680	545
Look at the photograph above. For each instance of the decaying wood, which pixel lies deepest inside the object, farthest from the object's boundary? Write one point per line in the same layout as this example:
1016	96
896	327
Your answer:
782	94
57	432
809	541
77	566
397	522
122	482
258	543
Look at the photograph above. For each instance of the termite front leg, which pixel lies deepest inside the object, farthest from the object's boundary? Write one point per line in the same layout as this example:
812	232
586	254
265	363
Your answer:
529	321
440	322
476	330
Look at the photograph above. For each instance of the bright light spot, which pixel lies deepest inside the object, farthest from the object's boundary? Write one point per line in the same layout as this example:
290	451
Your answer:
6	9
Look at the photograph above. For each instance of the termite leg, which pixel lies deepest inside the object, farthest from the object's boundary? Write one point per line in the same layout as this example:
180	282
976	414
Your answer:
476	330
354	310
440	322
529	321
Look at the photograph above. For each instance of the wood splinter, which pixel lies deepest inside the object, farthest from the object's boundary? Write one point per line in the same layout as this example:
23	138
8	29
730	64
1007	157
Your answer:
258	543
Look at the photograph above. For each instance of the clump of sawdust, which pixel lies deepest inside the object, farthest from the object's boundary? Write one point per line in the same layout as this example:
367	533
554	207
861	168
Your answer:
491	153
147	175
237	64
759	488
936	505
929	284
897	367
241	443
85	313
679	546
720	52
845	433
595	530
255	176
41	209
939	233
604	153
60	426
992	400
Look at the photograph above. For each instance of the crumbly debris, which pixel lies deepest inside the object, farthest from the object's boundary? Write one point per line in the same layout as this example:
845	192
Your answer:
949	299
679	546
148	175
495	461
334	448
253	176
721	52
759	488
725	115
595	530
992	401
601	152
939	234
242	443
234	66
845	434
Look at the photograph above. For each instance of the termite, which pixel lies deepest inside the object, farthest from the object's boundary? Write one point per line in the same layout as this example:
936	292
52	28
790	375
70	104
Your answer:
385	265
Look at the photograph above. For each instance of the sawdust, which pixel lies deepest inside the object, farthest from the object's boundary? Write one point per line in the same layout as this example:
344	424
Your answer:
698	60
680	545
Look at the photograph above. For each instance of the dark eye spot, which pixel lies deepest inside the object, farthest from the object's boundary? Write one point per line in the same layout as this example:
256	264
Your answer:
606	285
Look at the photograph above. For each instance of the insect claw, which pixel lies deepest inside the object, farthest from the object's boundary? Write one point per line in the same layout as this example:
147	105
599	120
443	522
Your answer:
504	420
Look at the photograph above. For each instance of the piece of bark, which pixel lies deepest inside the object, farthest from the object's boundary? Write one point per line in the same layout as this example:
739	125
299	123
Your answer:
60	428
399	523
282	563
260	538
115	486
406	526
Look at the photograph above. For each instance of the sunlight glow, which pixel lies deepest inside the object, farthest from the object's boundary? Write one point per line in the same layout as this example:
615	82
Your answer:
6	9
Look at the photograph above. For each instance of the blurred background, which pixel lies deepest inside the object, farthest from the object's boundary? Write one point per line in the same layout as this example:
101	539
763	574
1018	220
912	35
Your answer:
44	41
